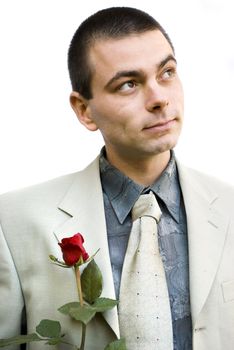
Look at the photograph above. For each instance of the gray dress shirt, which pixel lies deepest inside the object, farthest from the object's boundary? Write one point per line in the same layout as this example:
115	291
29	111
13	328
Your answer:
120	194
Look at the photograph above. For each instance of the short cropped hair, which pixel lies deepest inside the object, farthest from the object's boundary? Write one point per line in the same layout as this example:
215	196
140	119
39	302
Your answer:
110	23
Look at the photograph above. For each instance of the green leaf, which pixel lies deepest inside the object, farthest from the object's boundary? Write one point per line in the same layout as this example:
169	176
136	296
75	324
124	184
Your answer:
103	304
65	309
49	328
83	314
20	339
91	282
117	345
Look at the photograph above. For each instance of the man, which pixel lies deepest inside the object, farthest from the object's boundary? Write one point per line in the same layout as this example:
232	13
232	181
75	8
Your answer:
125	83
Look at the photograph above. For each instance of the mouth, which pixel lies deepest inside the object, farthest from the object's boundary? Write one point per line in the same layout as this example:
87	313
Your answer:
161	126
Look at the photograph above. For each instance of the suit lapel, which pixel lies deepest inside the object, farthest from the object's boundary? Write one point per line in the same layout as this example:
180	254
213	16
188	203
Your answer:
207	230
84	205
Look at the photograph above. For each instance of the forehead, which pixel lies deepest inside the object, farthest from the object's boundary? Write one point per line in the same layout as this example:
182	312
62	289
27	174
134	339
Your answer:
141	51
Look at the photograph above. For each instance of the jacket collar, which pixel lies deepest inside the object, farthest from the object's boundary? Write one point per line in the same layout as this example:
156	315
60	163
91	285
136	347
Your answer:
84	205
207	229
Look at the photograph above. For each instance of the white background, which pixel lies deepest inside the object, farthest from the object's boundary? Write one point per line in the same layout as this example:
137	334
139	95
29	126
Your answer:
40	137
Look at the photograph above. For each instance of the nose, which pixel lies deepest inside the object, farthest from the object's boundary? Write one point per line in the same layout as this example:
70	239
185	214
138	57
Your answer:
155	97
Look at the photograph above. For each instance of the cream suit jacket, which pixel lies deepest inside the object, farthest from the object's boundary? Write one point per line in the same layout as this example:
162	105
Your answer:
74	203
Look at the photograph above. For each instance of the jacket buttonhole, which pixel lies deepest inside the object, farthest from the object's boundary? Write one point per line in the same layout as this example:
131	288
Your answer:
199	329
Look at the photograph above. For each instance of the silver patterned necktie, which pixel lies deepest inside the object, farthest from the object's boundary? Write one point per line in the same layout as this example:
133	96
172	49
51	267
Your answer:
144	308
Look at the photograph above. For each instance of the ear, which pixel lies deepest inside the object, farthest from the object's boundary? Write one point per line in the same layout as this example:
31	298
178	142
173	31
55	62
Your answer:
81	107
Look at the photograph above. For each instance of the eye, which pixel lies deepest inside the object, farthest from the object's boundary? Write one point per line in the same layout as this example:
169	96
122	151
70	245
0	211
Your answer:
168	74
127	86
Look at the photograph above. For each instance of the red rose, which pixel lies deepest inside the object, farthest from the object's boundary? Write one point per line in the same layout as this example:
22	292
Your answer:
72	249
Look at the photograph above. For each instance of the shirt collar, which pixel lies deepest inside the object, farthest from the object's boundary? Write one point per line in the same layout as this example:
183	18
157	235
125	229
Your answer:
123	192
167	188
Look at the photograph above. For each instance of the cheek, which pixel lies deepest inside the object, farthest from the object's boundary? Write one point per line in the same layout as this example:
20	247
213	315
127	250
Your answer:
177	102
179	94
120	113
129	112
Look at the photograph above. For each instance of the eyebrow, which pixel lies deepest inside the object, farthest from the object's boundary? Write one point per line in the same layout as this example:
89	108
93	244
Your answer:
167	59
136	73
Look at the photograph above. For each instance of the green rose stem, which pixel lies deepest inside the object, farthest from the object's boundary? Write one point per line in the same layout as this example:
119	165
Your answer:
78	283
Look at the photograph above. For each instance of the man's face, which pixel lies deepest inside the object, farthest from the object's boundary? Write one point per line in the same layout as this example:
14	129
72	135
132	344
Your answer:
137	99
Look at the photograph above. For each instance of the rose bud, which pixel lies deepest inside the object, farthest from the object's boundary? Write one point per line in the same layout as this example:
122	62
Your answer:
73	250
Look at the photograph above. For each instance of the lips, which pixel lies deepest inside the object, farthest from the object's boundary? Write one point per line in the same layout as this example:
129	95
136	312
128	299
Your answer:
160	126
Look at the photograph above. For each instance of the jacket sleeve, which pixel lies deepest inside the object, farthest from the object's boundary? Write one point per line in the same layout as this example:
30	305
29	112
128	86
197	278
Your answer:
11	298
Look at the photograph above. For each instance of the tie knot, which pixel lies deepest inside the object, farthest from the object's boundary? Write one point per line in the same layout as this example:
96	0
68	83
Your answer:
146	205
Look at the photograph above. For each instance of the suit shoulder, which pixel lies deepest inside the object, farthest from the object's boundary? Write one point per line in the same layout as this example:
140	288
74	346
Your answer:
207	187
52	189
210	181
44	196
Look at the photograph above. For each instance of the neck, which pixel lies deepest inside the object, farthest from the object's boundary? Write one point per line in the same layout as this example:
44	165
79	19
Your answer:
142	171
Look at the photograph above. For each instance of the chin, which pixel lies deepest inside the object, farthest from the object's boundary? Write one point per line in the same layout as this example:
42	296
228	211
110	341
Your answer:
165	145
